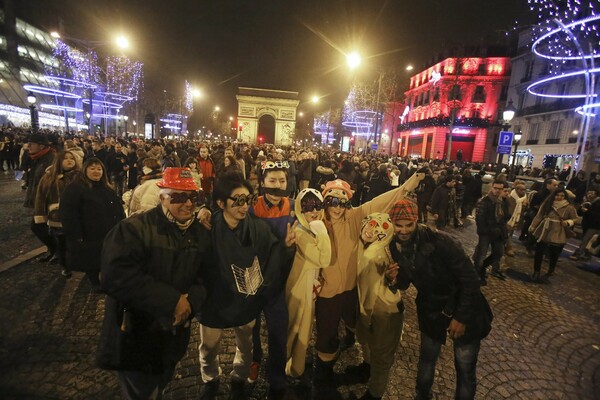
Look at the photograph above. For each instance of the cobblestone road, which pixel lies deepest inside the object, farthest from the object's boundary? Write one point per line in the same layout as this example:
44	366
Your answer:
545	342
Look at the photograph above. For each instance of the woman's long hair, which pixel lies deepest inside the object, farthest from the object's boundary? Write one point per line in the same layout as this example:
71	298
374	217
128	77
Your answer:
57	169
83	179
546	206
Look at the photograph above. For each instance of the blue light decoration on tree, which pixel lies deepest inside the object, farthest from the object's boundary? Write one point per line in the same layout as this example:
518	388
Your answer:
568	35
124	76
189	98
75	64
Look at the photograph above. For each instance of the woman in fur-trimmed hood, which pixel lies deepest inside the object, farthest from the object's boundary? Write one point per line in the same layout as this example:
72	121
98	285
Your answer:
313	252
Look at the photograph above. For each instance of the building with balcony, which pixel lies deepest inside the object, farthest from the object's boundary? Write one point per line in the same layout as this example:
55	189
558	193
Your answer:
550	126
458	97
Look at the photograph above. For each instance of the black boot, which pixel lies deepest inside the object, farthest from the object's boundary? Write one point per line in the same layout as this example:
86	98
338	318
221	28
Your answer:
348	340
358	373
209	390
323	381
369	396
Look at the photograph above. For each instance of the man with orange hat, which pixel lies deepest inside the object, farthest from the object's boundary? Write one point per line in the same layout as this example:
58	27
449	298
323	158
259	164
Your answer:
151	271
449	301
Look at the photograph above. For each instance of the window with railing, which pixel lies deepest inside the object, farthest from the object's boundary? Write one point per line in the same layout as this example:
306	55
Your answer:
554	132
534	134
478	95
455	93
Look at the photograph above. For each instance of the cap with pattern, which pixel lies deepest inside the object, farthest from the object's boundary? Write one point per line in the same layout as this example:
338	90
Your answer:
404	210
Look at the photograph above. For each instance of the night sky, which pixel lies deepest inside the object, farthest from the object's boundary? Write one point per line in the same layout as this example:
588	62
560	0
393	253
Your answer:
280	44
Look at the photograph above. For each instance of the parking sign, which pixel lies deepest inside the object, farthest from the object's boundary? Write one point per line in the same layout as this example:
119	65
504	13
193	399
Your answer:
505	138
504	142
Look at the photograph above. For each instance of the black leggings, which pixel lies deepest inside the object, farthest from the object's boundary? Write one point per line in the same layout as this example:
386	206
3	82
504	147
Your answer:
553	250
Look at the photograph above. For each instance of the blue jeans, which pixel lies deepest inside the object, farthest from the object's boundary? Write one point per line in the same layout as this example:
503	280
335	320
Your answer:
465	362
493	259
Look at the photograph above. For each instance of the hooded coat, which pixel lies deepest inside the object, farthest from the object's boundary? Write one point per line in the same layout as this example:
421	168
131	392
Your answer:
313	252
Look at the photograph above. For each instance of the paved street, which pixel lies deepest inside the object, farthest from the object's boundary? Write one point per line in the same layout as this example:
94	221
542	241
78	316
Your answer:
545	342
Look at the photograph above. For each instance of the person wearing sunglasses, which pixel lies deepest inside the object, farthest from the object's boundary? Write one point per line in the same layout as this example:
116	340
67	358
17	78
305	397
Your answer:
313	252
245	274
276	209
151	271
338	298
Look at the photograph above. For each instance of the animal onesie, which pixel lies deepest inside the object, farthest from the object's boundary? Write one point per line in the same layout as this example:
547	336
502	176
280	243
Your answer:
381	318
313	252
338	297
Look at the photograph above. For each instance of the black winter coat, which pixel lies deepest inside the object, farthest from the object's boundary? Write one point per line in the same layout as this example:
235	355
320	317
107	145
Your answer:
447	285
87	214
147	264
35	172
489	222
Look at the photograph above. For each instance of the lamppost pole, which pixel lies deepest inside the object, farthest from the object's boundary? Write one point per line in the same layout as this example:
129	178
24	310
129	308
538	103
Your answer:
31	99
507	116
517	140
375	136
126	118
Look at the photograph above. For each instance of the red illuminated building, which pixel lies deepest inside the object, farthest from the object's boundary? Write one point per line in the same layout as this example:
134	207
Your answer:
457	96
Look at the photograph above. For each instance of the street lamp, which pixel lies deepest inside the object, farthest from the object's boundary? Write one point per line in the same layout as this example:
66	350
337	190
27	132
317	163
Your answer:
517	140
135	127
507	116
31	99
126	118
353	59
315	99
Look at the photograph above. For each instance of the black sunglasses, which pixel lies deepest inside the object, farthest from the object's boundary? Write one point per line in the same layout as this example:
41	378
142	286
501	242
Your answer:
311	205
243	199
197	198
335	202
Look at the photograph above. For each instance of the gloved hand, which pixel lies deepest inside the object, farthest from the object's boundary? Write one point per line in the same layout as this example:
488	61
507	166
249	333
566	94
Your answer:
318	227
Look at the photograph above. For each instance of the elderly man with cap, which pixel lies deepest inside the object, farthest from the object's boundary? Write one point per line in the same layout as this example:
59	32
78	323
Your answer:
449	300
41	156
152	265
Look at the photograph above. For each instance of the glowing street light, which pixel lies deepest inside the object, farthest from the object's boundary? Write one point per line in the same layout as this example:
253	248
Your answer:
217	108
409	67
315	99
231	118
301	114
196	93
122	42
55	35
353	59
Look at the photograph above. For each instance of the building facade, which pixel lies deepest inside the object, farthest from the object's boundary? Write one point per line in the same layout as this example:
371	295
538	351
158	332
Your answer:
550	126
25	58
457	98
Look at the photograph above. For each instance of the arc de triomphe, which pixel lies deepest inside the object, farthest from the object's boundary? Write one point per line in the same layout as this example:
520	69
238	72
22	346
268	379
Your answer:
254	104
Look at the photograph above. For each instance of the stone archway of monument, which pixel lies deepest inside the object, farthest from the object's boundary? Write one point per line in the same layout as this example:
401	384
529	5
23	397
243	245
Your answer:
255	103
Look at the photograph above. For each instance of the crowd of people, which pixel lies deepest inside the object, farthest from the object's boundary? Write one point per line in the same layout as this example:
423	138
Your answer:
310	238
